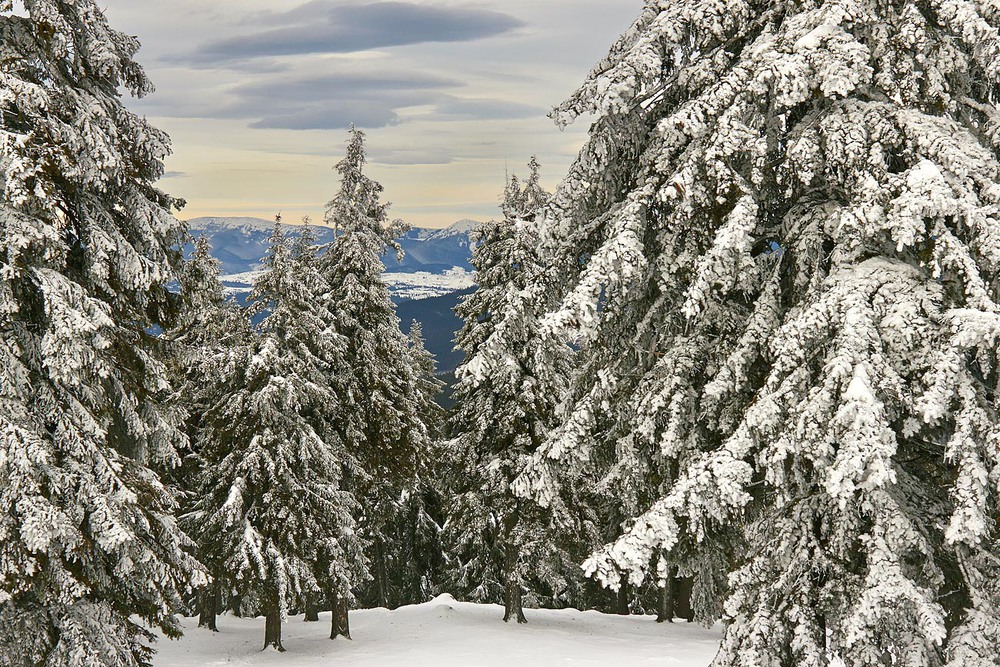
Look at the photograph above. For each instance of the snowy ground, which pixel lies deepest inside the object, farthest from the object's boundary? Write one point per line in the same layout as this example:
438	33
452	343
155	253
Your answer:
407	286
446	633
423	285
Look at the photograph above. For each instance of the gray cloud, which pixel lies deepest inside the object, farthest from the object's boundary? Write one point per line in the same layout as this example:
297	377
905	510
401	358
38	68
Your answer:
354	84
326	27
335	100
368	99
458	108
409	157
235	170
339	115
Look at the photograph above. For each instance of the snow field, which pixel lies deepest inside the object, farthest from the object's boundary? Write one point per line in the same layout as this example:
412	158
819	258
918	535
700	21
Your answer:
447	633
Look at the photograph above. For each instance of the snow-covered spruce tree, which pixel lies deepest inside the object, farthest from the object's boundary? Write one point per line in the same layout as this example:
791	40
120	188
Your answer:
381	395
205	318
791	210
207	329
415	560
90	554
273	512
508	546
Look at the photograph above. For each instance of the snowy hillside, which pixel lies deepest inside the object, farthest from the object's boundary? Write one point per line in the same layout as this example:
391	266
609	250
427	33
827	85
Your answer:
244	224
446	633
240	243
403	286
424	284
463	227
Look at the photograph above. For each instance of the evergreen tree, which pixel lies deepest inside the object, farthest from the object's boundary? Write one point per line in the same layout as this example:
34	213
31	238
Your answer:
205	314
273	511
207	330
778	253
425	369
382	396
416	558
508	546
90	553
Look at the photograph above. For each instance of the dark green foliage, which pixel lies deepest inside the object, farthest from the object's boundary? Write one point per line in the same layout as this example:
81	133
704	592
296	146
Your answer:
91	556
504	547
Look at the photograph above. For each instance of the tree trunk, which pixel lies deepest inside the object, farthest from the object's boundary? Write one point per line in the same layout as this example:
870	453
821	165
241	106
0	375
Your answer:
272	628
666	607
512	603
340	621
208	603
416	593
312	609
216	606
381	574
236	604
621	604
682	600
512	589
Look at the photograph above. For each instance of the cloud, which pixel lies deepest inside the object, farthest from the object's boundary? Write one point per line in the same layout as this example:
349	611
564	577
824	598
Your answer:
339	115
282	76
327	27
340	109
368	99
335	100
353	83
461	108
405	157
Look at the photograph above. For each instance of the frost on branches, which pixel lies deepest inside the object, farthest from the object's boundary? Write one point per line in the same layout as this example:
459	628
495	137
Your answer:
90	554
382	391
779	252
275	519
414	558
208	332
508	386
382	388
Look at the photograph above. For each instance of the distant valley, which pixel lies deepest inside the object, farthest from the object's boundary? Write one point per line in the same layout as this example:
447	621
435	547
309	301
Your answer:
240	243
426	284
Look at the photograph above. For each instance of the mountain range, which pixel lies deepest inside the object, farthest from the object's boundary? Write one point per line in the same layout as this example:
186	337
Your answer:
426	284
240	243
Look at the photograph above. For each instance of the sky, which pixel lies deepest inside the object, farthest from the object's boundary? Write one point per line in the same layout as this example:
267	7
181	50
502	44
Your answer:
257	97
